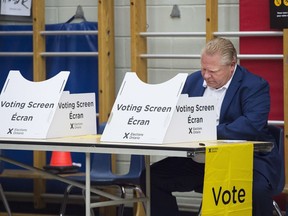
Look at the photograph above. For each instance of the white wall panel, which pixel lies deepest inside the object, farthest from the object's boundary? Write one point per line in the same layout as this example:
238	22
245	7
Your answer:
66	3
228	16
122	57
192	19
51	15
122	21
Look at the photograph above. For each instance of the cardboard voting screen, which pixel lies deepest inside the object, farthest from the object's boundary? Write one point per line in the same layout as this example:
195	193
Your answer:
156	113
28	108
75	115
194	119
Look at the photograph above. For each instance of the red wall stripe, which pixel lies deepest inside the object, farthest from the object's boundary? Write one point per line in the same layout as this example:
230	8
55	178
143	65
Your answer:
255	16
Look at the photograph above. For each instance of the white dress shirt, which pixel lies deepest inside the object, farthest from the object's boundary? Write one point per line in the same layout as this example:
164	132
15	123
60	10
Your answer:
218	94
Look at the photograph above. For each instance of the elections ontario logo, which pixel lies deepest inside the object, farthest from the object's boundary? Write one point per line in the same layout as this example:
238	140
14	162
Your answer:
132	136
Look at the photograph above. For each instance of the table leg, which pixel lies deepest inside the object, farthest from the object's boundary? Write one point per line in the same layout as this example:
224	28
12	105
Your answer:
148	189
87	184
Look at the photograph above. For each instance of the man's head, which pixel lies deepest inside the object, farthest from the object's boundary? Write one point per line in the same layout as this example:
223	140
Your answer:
218	60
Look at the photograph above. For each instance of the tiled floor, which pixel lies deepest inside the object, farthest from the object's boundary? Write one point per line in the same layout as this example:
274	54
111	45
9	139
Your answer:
72	210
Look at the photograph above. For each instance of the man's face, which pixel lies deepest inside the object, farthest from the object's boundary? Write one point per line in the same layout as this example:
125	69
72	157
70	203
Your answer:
214	72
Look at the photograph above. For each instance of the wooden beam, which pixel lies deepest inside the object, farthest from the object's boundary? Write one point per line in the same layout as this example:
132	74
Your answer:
39	74
138	24
211	18
39	66
285	94
106	46
106	71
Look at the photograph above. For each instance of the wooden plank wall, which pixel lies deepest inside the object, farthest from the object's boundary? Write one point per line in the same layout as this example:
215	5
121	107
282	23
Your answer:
106	47
138	24
39	74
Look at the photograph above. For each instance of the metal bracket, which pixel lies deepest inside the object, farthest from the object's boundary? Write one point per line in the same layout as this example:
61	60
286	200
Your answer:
191	154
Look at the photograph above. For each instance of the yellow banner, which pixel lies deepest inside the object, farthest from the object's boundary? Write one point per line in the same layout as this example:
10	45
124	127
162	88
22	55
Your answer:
228	180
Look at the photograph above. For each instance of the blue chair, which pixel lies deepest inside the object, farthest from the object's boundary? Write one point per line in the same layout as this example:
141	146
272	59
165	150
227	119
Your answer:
278	134
101	175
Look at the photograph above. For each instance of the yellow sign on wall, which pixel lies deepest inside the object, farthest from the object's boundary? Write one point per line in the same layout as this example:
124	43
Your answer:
228	180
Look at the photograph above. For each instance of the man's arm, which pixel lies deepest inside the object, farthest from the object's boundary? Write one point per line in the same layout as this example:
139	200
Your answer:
247	115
